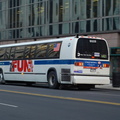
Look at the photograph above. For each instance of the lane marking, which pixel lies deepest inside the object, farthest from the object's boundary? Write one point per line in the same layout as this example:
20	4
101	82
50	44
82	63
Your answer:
8	105
115	95
60	97
105	94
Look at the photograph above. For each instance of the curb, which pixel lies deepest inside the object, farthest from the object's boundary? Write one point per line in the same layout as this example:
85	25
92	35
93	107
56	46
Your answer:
109	87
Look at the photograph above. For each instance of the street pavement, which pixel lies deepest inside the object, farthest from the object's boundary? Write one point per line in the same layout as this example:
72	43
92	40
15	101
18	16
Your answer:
18	102
109	86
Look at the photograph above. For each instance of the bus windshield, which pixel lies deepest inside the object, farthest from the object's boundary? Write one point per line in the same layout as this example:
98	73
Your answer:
91	49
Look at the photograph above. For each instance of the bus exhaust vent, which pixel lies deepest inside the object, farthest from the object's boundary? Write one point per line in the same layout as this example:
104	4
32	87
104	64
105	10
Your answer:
65	75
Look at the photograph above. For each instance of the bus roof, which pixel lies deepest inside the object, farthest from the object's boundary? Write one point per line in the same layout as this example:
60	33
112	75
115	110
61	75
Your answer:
47	41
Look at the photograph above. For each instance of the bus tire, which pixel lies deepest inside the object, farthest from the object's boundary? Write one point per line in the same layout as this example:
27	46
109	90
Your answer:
2	81
52	80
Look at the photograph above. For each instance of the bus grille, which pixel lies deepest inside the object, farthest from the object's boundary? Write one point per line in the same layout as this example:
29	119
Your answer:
65	75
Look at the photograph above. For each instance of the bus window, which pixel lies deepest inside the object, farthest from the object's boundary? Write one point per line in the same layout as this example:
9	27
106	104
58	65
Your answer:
7	53
27	52
54	50
2	53
19	52
12	53
91	48
41	51
32	52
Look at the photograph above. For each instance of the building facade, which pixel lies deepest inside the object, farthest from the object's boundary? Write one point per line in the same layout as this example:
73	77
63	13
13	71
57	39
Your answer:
27	20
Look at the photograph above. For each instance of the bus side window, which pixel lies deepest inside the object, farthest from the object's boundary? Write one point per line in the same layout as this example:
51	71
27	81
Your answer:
7	53
53	50
12	53
2	53
41	51
19	52
27	52
32	51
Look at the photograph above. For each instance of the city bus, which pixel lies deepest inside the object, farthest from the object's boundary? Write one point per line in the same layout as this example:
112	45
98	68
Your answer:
81	61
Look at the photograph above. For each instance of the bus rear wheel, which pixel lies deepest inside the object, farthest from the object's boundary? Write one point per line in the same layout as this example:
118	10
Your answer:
52	80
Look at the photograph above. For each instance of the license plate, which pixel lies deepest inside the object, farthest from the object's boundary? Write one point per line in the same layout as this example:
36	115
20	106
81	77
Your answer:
92	70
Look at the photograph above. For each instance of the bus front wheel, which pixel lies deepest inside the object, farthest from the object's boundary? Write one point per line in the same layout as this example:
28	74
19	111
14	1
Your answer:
52	80
2	81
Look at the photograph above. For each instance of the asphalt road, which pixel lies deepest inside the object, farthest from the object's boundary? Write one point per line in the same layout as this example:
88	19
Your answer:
41	103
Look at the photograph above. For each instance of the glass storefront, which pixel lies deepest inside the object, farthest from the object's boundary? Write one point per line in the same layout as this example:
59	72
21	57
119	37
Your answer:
115	66
21	19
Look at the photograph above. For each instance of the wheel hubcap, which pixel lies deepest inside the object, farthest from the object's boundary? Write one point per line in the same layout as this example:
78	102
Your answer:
52	80
1	77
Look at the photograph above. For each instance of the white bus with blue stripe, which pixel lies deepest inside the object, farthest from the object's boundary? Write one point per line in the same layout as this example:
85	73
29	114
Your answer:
82	61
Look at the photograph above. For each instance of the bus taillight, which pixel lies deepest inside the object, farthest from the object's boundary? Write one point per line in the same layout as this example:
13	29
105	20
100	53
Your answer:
106	65
78	63
92	57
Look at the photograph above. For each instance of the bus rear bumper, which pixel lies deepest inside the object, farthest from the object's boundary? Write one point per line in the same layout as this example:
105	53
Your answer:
97	80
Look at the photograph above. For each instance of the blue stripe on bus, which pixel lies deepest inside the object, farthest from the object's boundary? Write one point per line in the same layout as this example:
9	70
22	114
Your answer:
4	63
41	62
86	62
68	62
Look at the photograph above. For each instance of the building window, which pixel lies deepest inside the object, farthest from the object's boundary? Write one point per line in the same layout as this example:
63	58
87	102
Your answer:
36	18
53	29
75	27
82	26
83	9
108	22
66	28
95	8
108	7
76	10
61	9
66	10
96	25
88	8
50	11
116	23
116	7
88	26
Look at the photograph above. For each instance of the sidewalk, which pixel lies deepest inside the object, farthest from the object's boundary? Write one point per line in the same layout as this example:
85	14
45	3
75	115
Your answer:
110	87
